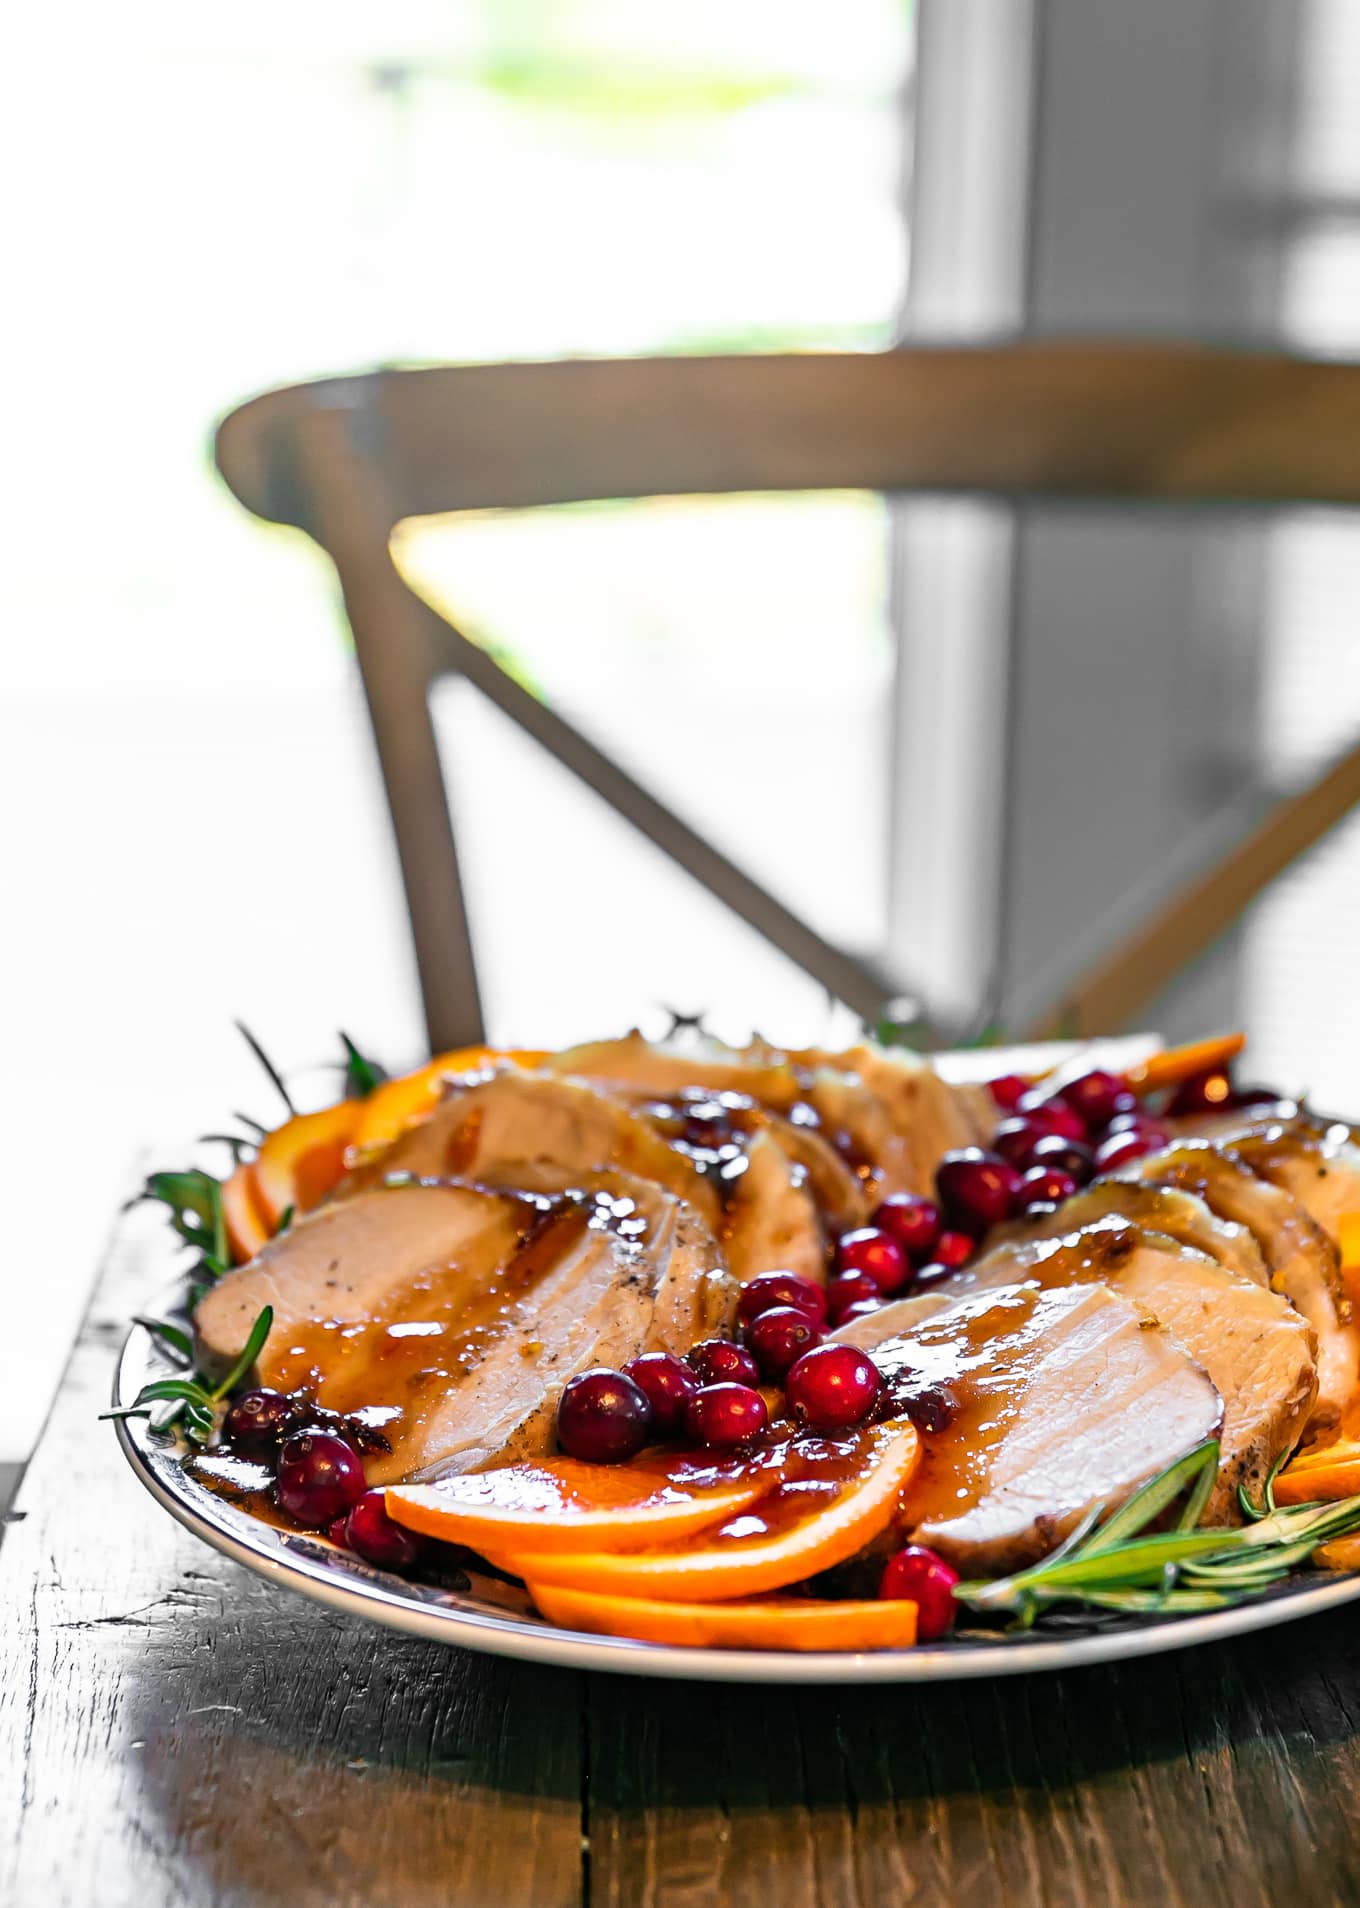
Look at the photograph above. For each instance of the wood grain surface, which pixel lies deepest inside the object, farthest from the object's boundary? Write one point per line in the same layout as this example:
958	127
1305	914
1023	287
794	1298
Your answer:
175	1731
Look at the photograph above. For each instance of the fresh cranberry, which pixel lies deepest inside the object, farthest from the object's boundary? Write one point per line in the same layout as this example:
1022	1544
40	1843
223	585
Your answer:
1097	1097
856	1288
337	1531
1007	1090
920	1576
719	1362
914	1223
933	1274
603	1417
1014	1139
725	1415
707	1124
377	1538
258	1421
1046	1185
668	1384
769	1289
779	1337
1208	1092
319	1477
1063	1155
1053	1112
1120	1149
870	1250
862	1308
954	1249
833	1387
1040	1209
977	1189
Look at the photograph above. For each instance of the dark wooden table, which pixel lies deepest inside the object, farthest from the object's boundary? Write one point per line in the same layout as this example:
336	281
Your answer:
175	1731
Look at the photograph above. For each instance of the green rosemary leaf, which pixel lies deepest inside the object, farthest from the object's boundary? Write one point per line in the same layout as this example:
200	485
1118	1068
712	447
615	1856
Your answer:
285	1220
173	1390
1153	1498
198	1424
362	1075
1200	1491
275	1077
254	1345
169	1335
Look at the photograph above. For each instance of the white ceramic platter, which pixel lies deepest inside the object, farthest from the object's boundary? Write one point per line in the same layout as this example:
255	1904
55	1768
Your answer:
478	1612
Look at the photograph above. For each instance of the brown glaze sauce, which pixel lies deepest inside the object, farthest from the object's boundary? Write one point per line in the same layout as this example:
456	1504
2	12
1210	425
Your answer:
959	1356
439	1326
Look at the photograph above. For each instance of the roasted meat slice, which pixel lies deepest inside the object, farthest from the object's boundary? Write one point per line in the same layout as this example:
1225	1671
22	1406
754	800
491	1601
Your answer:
771	1222
634	1065
517	1115
894	1114
1165	1209
453	1314
1256	1348
1301	1258
1061	1400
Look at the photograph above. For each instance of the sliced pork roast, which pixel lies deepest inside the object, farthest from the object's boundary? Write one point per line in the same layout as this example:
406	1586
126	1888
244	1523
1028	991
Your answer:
454	1314
1164	1209
1059	1401
517	1115
1302	1259
1258	1351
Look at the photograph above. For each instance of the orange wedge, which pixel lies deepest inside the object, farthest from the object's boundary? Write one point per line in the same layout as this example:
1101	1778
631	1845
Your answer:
402	1102
563	1505
298	1164
247	1229
778	1623
1175	1064
832	1499
1342	1554
1327	1471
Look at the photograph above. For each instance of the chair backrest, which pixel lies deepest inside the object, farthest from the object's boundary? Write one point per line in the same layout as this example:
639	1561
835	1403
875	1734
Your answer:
346	459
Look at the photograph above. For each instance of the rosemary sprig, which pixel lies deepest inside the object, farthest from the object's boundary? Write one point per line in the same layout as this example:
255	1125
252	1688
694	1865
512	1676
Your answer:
194	1200
195	1398
1122	1567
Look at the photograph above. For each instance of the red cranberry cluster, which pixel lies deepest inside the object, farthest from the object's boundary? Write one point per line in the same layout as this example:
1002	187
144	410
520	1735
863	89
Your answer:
318	1475
712	1396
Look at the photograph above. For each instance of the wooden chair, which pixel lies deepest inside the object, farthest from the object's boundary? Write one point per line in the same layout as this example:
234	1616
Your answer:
347	459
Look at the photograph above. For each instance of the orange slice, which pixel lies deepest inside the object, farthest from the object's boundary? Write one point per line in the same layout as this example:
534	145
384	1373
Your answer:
1341	1554
833	1497
1175	1064
1328	1471
778	1623
403	1102
247	1230
564	1505
298	1164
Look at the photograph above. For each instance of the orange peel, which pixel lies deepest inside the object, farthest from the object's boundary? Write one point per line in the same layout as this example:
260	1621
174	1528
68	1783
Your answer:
832	1499
784	1623
562	1505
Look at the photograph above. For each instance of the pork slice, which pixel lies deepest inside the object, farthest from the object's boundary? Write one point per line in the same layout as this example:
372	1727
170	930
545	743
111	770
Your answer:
771	1222
1259	1352
1164	1209
633	1064
893	1320
1302	1260
1063	1400
451	1315
515	1116
350	1262
897	1114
